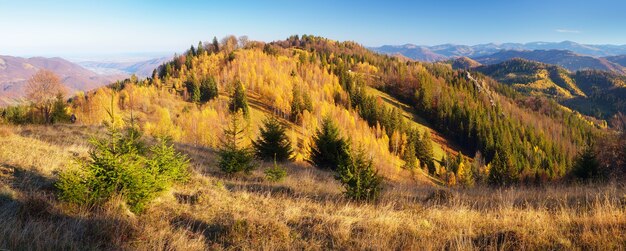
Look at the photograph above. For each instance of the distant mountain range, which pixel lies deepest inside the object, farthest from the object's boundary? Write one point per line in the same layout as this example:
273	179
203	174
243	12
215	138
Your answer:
15	72
142	68
446	51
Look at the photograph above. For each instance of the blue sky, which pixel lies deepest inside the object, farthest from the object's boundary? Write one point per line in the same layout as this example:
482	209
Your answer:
71	28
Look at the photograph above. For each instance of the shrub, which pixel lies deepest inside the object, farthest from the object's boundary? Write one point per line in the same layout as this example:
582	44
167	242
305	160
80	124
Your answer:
121	165
17	115
275	173
273	141
358	177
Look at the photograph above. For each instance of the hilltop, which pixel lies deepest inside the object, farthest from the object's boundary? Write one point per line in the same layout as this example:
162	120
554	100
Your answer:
591	92
563	58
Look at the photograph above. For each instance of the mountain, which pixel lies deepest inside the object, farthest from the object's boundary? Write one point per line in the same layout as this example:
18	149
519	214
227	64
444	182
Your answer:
600	94
142	68
15	72
533	77
452	50
567	59
620	60
464	63
413	52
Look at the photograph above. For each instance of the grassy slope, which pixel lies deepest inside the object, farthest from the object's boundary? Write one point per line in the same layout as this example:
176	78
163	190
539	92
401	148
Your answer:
306	211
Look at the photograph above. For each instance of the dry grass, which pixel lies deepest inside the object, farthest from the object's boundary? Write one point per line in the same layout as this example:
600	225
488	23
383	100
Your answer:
306	211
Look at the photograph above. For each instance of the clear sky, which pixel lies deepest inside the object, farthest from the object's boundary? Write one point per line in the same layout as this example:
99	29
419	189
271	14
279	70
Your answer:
65	28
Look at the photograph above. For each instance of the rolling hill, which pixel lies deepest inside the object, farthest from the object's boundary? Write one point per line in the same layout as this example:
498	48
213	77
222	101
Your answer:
566	59
463	63
533	77
620	59
15	71
600	94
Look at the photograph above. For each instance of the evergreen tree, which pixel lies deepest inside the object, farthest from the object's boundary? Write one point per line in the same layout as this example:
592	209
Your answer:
233	156
239	100
503	170
208	89
586	166
192	52
59	111
410	154
273	142
216	45
200	49
296	105
424	151
329	149
358	177
193	89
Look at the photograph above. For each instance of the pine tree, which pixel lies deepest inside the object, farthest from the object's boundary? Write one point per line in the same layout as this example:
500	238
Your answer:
273	142
192	52
296	105
59	111
424	151
200	49
410	155
193	89
359	178
208	89
503	170
586	166
233	156
239	100
329	149
216	45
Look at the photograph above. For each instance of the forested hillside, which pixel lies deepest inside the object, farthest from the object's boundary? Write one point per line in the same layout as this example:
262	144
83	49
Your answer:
305	79
594	93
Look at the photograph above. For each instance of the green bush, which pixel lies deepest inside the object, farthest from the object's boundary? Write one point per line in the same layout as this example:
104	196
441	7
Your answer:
358	177
122	165
17	115
236	160
275	173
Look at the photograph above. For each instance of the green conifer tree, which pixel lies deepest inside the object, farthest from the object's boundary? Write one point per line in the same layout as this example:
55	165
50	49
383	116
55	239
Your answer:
329	149
239	100
273	142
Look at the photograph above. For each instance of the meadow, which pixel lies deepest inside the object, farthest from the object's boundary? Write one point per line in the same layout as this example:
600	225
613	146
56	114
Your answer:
306	211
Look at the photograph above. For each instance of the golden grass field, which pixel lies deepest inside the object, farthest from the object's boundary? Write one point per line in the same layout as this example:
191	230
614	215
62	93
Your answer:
306	211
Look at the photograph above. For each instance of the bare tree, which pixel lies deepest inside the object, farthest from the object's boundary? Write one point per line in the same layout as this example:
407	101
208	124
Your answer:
243	41
42	90
229	43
